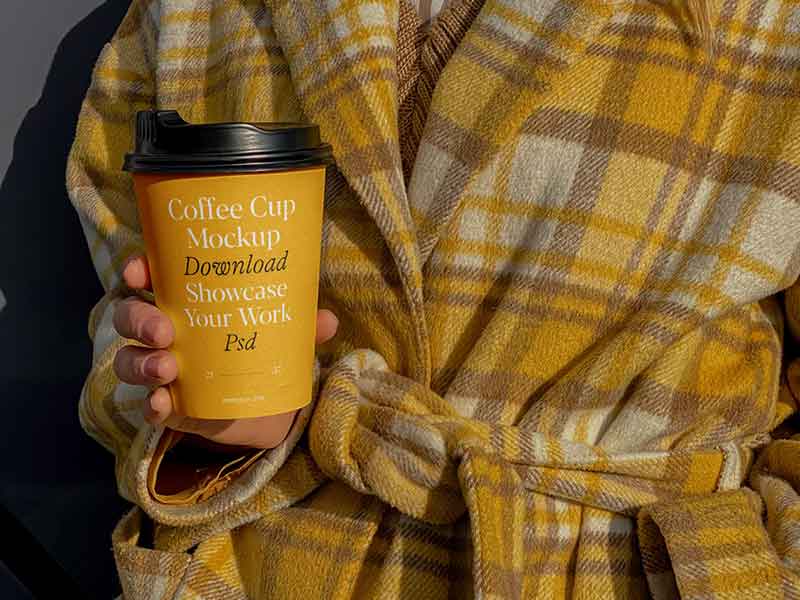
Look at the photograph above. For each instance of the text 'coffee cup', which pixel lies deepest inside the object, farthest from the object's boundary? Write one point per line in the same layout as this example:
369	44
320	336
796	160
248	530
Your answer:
209	209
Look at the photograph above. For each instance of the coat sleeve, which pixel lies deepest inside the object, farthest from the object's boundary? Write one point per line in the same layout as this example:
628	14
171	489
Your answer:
746	538
775	476
102	194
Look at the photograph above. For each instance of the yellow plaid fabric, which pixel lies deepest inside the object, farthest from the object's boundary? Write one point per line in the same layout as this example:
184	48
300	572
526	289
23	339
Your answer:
565	362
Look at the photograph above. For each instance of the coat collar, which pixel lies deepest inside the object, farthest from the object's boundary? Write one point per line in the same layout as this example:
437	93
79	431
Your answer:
497	78
342	57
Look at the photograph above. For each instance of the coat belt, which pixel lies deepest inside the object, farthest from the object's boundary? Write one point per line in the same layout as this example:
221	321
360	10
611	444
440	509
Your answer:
387	435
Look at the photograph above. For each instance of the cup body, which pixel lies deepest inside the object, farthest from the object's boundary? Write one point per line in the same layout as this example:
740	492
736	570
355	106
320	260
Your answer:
234	262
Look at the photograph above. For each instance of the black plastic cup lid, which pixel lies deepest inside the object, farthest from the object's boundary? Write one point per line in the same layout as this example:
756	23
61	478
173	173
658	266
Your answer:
165	143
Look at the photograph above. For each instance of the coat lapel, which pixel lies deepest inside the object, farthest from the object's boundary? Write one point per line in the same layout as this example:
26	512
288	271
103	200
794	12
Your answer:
343	63
496	78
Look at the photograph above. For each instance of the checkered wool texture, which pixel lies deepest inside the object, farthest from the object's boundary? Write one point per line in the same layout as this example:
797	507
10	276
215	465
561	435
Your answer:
560	366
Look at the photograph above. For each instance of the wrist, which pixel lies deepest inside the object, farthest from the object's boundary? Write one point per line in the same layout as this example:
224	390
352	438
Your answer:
239	434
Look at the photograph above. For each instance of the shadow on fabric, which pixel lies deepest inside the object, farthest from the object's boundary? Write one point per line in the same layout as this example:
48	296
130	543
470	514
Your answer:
57	483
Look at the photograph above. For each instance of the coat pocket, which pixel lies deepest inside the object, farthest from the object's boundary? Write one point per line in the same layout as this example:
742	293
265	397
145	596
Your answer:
146	574
208	570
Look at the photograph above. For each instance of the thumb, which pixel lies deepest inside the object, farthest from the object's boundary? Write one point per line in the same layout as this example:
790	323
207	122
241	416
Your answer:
136	273
157	406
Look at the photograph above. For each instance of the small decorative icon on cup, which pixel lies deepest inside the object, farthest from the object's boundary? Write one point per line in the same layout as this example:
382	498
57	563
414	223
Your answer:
209	374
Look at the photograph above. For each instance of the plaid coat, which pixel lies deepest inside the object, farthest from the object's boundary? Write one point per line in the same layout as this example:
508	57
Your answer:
561	239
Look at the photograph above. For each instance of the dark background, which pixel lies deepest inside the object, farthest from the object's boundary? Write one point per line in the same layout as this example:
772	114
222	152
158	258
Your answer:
58	500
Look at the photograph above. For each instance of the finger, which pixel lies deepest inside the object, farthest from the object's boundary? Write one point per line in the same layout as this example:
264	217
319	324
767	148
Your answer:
327	324
143	366
136	273
157	407
139	320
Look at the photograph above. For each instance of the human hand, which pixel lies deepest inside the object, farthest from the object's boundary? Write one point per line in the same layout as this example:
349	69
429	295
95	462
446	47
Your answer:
155	366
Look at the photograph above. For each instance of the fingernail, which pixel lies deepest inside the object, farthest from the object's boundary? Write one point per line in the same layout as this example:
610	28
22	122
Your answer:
149	413
128	261
151	367
150	330
161	403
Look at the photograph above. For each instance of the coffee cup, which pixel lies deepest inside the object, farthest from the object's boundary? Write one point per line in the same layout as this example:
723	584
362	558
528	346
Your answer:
231	216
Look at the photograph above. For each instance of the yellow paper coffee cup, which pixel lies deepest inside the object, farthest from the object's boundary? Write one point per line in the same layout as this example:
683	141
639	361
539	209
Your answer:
231	215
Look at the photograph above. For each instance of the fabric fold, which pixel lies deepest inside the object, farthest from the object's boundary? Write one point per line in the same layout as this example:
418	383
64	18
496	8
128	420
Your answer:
139	474
387	435
343	62
145	573
717	548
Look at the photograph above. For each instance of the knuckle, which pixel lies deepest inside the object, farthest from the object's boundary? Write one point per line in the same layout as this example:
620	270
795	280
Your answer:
161	330
120	312
127	304
117	364
124	315
122	361
169	365
138	324
155	326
